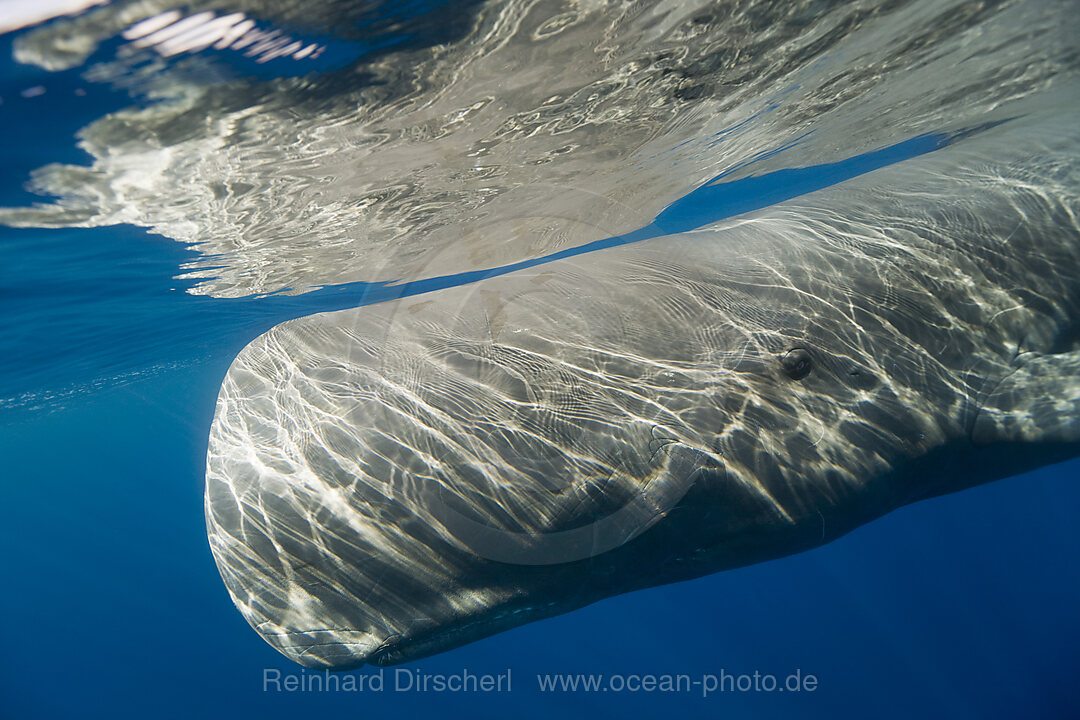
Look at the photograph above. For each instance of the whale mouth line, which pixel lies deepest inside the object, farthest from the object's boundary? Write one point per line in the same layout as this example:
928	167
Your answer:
398	648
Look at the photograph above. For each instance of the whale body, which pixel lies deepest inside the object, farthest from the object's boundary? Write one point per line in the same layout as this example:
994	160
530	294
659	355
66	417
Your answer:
392	481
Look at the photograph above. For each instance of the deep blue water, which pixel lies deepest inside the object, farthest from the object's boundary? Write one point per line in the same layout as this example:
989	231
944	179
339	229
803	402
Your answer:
961	606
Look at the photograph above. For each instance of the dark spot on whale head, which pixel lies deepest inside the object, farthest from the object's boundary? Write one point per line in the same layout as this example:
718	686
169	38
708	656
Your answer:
797	363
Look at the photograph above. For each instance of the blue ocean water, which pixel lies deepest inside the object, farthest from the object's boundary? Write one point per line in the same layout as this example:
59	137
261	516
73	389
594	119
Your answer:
960	606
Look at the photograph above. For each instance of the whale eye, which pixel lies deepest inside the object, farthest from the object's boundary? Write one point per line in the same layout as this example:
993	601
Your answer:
797	363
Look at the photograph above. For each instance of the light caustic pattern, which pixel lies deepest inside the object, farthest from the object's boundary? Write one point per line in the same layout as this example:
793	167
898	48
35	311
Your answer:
390	481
